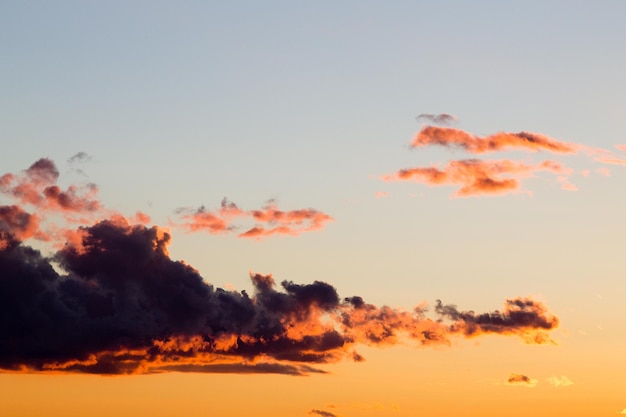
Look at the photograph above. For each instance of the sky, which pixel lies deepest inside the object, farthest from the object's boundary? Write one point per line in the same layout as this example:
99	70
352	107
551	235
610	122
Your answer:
331	209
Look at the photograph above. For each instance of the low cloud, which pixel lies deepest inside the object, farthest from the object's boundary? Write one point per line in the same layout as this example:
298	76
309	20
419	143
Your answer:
109	299
122	305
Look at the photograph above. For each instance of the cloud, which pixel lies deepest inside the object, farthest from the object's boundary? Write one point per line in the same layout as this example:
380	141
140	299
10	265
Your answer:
475	177
559	381
79	157
37	187
269	220
243	368
323	413
17	225
604	156
622	412
519	379
440	119
521	316
450	137
482	177
112	301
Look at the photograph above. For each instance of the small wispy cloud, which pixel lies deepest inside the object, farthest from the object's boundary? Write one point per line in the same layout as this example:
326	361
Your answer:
440	119
559	381
267	221
79	157
322	413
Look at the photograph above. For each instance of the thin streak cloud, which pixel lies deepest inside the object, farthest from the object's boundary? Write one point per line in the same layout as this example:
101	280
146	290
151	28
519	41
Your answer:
475	177
450	137
439	119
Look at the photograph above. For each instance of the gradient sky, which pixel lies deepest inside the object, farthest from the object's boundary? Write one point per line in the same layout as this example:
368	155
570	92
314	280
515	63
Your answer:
308	114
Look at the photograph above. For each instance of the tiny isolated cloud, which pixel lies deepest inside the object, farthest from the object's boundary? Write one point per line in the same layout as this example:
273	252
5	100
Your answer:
322	413
560	381
622	412
521	380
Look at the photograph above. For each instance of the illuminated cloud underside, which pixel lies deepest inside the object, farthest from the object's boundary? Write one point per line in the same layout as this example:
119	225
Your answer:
110	300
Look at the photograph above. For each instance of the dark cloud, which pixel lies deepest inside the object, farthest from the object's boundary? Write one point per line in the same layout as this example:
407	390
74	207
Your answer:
123	306
112	301
519	316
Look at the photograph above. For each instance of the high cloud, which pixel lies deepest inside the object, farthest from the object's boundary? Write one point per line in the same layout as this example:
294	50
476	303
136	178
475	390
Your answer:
450	137
495	177
269	220
520	379
122	305
474	176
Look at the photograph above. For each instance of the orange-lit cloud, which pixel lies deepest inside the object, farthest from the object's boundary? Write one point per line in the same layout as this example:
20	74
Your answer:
477	177
521	316
474	176
520	379
122	305
269	220
604	156
451	137
37	187
17	225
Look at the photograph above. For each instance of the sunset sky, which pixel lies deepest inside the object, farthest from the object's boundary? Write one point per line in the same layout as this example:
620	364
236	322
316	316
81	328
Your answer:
334	209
